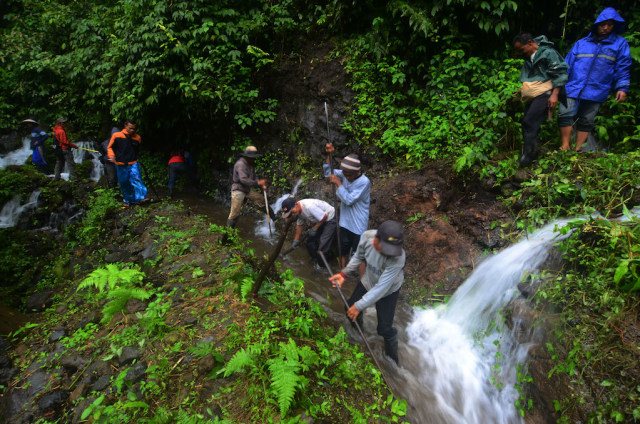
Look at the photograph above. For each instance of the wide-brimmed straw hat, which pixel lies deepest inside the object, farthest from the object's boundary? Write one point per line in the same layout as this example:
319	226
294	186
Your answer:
251	152
29	121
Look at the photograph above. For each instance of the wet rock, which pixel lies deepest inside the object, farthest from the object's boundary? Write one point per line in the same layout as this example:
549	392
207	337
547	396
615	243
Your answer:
190	320
92	317
39	301
57	335
53	400
117	256
74	363
98	368
80	391
33	385
9	142
101	384
136	372
60	310
206	364
135	305
149	252
128	355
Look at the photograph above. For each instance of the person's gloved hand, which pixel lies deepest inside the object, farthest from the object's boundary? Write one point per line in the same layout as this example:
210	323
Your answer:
295	244
313	233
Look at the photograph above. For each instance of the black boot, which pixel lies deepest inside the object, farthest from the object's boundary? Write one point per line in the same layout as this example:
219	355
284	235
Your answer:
391	347
232	223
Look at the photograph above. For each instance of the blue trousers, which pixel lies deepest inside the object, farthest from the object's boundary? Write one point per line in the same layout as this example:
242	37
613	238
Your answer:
131	186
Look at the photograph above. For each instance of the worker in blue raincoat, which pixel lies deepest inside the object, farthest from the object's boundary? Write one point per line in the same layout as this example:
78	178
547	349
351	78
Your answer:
598	64
38	137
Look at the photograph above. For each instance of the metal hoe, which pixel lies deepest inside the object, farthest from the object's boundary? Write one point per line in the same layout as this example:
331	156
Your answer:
346	305
266	206
326	114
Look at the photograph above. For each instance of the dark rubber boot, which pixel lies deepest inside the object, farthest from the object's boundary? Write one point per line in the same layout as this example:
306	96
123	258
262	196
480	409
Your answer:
232	223
391	348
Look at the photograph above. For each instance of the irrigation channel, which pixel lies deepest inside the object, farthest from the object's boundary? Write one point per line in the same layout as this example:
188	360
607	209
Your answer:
459	360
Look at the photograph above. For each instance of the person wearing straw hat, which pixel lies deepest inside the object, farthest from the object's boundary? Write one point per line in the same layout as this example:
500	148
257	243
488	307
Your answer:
353	188
38	138
243	181
384	258
63	147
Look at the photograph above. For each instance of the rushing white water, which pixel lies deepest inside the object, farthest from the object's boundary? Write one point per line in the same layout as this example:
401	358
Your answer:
12	210
20	156
262	226
17	157
466	358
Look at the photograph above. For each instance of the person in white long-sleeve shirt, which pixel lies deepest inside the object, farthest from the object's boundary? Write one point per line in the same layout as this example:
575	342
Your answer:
384	258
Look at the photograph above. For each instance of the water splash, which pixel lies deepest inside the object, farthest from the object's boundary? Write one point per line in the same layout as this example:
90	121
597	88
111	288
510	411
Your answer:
82	154
262	227
19	156
466	357
12	210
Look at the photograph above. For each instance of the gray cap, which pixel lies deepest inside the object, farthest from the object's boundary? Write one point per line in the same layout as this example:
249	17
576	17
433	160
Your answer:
61	121
391	236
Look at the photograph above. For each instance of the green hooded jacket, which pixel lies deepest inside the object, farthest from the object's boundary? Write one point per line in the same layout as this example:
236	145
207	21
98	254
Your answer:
547	65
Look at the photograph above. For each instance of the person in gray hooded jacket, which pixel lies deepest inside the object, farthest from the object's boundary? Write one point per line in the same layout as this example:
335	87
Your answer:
383	256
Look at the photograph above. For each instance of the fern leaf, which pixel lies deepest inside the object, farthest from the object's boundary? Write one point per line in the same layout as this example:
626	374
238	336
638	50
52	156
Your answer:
284	381
245	287
238	362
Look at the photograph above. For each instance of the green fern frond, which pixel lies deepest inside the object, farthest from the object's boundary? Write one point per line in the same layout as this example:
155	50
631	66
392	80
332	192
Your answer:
110	276
245	287
284	381
239	361
119	300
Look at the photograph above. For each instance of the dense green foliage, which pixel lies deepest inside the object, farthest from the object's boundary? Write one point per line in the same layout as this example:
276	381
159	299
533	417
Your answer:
266	364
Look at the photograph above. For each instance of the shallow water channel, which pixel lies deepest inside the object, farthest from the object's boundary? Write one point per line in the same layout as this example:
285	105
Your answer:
459	361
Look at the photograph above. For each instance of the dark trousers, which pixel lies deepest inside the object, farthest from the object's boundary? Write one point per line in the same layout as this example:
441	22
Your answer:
348	241
534	115
177	168
385	310
111	174
322	241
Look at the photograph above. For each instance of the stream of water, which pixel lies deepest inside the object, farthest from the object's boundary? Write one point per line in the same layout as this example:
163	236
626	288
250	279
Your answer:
458	362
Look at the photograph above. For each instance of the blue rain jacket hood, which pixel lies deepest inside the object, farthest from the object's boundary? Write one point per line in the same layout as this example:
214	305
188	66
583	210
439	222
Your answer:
605	15
599	66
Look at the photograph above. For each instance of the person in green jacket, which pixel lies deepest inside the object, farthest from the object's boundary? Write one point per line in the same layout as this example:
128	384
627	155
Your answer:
543	73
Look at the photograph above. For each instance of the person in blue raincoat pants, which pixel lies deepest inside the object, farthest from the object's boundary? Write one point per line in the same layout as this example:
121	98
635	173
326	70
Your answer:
598	64
123	151
38	138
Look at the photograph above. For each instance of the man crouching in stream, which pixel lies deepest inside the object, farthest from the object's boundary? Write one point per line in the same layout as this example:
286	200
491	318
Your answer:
382	253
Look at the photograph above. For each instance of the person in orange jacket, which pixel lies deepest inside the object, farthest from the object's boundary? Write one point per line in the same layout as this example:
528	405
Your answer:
62	147
123	151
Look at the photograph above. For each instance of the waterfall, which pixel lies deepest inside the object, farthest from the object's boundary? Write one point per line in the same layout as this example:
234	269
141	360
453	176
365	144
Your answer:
97	169
466	358
13	209
262	227
17	157
80	155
